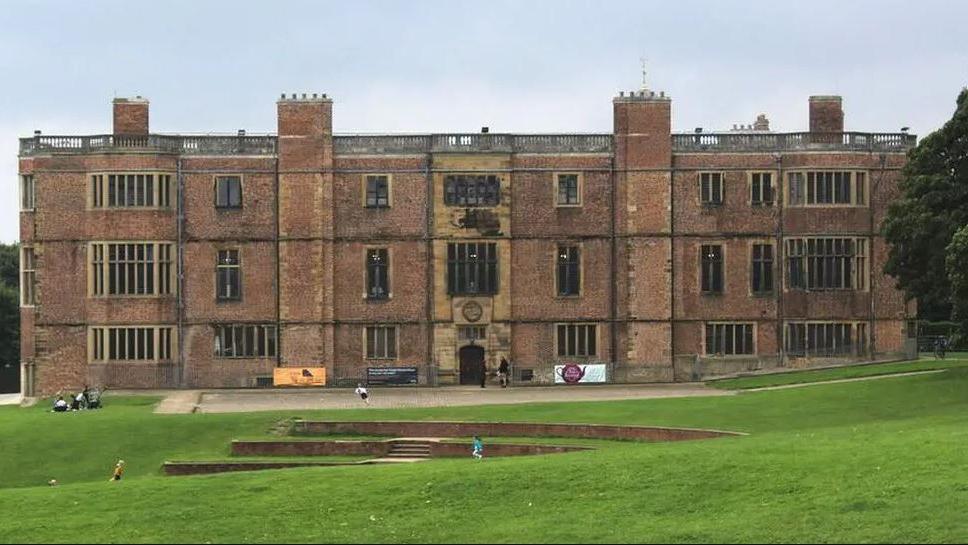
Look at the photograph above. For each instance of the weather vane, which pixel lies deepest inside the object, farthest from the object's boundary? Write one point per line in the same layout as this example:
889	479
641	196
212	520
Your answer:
644	85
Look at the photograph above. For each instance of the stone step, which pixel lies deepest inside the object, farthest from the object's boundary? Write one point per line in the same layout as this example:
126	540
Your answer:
409	450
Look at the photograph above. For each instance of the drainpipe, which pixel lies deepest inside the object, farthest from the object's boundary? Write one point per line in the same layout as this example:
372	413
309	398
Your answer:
778	256
432	370
613	309
872	337
180	297
672	267
278	265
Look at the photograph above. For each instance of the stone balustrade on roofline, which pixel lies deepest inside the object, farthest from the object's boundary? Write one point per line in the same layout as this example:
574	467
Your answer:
357	144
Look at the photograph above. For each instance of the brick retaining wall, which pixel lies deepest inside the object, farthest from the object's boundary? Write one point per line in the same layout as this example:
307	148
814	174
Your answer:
205	468
310	448
506	429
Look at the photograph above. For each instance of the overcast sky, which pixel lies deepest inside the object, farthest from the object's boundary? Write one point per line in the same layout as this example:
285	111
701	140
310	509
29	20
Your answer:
433	66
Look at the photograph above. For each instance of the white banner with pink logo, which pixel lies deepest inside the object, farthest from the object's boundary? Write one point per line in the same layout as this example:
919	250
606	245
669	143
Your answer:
575	373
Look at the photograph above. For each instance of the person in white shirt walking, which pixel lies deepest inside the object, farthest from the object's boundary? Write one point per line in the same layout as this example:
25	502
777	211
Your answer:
363	393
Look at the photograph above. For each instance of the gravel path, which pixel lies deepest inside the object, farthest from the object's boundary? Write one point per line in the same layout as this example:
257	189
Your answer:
843	380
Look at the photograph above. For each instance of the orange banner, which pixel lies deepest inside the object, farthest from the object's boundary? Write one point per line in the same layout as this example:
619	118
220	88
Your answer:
299	376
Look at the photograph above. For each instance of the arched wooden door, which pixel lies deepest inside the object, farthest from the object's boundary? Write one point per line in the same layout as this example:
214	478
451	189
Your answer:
470	364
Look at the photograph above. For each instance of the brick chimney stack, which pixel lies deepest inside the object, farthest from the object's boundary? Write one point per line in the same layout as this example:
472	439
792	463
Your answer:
131	116
762	123
826	114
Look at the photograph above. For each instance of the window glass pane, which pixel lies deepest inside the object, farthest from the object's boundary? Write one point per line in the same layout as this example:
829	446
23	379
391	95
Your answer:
391	342
250	344
235	192
472	190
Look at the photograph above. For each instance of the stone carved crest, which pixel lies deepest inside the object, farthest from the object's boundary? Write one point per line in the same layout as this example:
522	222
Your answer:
484	221
472	311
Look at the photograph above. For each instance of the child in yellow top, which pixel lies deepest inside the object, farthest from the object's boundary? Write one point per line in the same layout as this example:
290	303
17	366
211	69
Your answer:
118	471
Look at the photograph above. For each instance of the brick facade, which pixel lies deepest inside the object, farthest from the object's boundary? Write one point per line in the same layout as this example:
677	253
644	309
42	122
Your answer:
303	233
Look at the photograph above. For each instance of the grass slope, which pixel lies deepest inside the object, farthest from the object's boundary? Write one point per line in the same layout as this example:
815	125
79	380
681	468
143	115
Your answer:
878	461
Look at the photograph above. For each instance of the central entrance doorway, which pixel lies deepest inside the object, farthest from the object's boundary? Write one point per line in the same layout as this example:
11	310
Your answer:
470	364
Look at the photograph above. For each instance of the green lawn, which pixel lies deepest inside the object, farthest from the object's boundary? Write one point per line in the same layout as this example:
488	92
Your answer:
926	363
876	461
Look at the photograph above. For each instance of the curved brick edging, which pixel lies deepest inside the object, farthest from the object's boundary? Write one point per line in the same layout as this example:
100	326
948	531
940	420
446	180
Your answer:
322	448
506	429
382	448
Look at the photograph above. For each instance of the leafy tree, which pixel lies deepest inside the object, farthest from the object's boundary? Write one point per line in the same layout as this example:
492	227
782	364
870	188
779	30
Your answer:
934	205
9	325
10	264
957	267
9	317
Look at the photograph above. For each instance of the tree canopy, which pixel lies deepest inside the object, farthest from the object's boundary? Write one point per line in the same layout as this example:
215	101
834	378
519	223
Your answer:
10	264
9	317
921	224
957	268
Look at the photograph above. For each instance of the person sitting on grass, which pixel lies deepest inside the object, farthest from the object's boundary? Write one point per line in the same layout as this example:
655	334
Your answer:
60	406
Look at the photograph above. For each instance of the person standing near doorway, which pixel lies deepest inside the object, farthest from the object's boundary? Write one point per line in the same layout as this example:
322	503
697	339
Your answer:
483	372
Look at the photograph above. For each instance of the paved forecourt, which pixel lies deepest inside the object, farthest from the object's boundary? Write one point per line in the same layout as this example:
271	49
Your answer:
226	401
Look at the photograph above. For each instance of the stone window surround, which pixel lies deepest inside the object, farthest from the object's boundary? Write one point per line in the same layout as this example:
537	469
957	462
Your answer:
699	272
856	327
597	337
92	338
219	297
364	183
381	328
226	207
581	268
101	177
366	271
28	197
267	328
704	345
865	275
774	176
762	242
24	272
722	188
853	187
555	191
105	263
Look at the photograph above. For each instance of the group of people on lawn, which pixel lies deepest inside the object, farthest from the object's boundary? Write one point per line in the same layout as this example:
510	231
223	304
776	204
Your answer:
85	399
